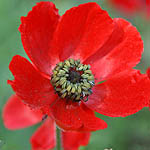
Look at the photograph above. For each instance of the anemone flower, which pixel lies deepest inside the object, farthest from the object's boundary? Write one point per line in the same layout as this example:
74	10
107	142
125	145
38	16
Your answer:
71	54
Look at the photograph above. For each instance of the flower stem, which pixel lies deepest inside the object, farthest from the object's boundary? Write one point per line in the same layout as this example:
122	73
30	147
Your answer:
58	140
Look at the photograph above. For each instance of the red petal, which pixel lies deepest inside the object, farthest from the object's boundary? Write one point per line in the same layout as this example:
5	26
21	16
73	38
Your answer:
148	72
37	32
122	95
30	85
89	28
16	115
45	137
73	140
122	51
74	116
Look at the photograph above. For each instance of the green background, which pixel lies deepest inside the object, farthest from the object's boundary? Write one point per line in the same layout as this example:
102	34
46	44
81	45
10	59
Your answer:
130	133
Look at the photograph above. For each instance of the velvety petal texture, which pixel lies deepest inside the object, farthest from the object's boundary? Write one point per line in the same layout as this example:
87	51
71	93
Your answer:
122	51
73	140
29	84
74	116
16	115
37	31
122	95
45	137
81	31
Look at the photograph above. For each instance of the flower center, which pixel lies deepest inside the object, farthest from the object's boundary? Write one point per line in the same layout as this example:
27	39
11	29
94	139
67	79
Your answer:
73	80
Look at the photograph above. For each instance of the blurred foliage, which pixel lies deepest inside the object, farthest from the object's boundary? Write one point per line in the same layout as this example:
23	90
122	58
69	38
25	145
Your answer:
130	133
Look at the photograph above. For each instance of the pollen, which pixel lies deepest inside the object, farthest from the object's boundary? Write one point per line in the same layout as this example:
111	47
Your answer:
73	80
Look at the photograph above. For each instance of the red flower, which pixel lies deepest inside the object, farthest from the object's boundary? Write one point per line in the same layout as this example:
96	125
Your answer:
69	91
129	6
16	116
148	7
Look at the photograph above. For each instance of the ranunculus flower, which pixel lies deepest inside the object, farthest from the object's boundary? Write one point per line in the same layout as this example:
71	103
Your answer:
70	55
129	6
17	116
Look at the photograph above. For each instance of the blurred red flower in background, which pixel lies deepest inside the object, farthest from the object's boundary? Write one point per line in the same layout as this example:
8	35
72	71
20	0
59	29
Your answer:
67	89
148	7
17	116
131	7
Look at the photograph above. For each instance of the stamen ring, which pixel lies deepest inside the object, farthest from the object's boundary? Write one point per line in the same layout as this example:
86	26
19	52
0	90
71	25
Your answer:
73	80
